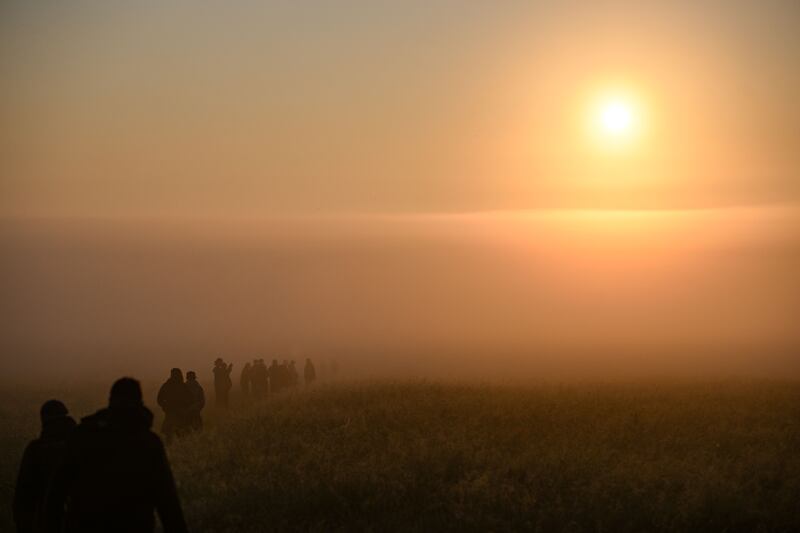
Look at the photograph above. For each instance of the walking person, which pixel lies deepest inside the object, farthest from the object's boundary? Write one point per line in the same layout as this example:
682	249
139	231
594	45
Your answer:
39	462
259	380
275	382
222	382
294	377
197	401
174	399
309	372
246	382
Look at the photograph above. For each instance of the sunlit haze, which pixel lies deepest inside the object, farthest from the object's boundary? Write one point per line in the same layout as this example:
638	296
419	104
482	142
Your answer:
296	107
395	182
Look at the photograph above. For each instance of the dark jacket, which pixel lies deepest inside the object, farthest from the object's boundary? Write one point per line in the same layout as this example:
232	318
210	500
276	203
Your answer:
196	405
39	462
222	377
114	476
175	398
197	397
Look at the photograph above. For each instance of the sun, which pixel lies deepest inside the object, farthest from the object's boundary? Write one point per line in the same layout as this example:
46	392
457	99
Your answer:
616	117
615	120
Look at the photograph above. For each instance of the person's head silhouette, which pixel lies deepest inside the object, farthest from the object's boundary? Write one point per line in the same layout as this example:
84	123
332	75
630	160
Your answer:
52	409
125	392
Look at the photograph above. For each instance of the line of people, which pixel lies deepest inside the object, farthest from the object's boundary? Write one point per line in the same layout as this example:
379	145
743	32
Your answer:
183	401
258	381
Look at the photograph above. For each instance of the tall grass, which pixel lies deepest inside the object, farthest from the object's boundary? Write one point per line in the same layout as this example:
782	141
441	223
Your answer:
428	456
432	457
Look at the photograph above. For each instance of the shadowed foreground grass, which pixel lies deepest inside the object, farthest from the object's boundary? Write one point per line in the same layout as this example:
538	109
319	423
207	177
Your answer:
432	457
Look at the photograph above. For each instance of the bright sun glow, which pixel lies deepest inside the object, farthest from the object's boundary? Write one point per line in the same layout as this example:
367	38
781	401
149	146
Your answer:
615	121
616	117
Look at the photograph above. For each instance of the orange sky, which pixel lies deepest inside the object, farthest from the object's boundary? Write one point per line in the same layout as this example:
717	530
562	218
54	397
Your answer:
209	108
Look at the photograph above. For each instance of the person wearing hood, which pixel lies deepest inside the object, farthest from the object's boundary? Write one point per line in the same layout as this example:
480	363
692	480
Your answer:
115	475
197	402
175	400
40	460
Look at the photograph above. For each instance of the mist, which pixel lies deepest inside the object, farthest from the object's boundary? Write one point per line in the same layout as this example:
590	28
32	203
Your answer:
491	295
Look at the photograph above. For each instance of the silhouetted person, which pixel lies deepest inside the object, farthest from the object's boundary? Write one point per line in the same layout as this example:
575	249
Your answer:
222	382
259	380
174	399
285	375
281	376
274	371
197	400
115	472
40	460
292	376
309	372
246	381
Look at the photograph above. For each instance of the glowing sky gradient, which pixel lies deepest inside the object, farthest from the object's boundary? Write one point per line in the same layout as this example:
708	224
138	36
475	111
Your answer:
420	106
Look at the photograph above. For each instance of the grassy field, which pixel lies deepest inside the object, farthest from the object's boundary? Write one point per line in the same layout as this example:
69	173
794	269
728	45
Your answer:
428	456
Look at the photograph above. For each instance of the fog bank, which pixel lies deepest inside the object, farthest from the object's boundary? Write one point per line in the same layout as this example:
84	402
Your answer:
479	295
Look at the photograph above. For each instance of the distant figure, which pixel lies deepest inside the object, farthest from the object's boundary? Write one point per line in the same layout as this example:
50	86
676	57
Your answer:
259	380
286	377
40	460
274	378
309	372
222	382
281	377
197	401
115	472
174	399
246	381
294	377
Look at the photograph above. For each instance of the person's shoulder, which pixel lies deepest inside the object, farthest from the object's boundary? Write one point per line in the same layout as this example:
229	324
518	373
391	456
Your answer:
99	420
32	448
88	428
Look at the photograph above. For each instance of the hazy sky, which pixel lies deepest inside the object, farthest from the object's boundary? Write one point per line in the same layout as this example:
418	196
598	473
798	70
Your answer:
395	124
265	107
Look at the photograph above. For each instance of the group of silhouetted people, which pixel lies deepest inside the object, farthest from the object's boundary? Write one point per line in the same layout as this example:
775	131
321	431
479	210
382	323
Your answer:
257	380
109	473
182	403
